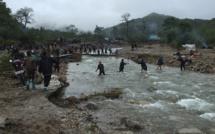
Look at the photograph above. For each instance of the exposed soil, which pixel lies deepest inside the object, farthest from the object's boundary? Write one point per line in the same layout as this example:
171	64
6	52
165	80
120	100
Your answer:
31	112
203	60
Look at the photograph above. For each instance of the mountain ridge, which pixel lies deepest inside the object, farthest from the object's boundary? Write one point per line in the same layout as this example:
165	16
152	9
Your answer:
150	24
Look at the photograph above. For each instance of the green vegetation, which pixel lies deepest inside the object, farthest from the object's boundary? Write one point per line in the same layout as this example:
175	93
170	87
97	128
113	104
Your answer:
154	27
170	30
5	65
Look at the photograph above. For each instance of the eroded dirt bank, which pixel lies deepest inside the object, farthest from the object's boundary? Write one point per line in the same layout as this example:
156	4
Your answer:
151	53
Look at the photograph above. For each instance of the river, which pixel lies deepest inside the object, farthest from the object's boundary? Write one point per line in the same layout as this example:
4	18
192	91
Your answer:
164	101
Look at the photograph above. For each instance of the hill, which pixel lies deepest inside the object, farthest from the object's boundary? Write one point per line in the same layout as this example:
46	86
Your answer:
149	25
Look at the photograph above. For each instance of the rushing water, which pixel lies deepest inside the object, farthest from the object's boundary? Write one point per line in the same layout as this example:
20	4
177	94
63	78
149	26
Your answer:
164	101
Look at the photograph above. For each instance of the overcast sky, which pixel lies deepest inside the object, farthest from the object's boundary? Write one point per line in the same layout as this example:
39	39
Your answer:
86	14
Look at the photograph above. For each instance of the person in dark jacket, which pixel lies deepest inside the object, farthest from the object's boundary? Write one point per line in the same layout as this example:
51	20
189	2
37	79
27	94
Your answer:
122	64
160	62
101	68
143	65
30	65
45	67
182	65
56	67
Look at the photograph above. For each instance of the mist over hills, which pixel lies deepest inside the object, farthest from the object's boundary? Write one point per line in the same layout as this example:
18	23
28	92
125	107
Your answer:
152	24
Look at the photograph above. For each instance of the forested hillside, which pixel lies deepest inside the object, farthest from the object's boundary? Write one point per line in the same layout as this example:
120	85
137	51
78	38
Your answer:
162	28
166	29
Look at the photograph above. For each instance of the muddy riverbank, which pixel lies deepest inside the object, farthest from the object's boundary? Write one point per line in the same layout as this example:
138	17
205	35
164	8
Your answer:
151	53
30	111
37	112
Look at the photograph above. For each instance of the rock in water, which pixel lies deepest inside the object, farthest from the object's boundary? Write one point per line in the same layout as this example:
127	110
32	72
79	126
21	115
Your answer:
92	106
133	124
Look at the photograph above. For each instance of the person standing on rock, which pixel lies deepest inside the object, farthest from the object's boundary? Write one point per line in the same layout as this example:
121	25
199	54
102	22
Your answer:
45	67
160	62
122	64
30	66
101	68
143	65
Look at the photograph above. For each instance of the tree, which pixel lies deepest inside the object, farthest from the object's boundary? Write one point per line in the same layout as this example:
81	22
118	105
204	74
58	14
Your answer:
125	18
98	30
170	22
114	32
24	16
184	26
8	25
72	28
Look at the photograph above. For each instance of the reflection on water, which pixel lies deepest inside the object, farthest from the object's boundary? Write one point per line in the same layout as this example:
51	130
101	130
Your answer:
168	99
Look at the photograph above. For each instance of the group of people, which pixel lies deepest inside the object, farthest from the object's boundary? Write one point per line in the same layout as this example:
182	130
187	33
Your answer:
44	67
121	66
143	64
180	59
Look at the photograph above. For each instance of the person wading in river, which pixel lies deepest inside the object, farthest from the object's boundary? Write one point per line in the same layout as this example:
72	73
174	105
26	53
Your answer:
101	68
160	62
143	65
122	64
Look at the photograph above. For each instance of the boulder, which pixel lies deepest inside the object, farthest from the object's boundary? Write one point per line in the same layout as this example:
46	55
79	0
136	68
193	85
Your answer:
2	122
63	79
92	106
142	103
38	79
151	89
133	124
130	101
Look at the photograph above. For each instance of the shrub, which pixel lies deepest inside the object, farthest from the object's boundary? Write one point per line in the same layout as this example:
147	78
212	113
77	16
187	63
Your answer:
5	64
